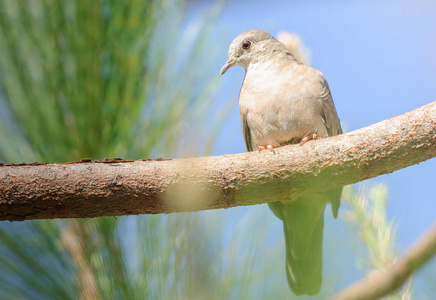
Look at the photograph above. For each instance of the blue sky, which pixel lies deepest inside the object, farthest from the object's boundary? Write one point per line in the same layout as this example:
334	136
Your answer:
379	58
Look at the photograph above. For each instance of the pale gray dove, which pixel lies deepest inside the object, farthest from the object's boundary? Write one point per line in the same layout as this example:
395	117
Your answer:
283	101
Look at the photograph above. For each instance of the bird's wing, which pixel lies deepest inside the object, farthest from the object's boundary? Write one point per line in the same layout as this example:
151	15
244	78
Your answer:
328	111
332	124
246	133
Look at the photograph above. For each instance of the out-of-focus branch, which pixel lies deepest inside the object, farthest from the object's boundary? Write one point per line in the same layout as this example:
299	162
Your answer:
92	189
72	239
383	282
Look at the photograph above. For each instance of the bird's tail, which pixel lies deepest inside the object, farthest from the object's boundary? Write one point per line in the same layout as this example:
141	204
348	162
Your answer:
303	224
304	257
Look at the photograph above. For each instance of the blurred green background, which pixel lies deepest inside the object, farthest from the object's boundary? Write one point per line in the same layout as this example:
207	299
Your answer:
138	79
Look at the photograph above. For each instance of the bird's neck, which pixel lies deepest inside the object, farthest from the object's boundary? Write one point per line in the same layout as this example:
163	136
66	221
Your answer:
273	62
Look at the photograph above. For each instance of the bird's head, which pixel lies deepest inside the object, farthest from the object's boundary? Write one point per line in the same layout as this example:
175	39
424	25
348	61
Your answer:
249	47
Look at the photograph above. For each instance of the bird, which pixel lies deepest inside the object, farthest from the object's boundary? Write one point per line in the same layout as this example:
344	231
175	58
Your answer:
284	101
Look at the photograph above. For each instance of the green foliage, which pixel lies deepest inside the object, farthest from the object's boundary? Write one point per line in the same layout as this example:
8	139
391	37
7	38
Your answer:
72	73
105	78
28	269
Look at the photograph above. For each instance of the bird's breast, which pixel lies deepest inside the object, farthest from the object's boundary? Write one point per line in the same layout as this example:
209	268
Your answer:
278	107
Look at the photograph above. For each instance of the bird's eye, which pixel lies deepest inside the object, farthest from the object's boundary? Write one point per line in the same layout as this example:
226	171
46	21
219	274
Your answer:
246	44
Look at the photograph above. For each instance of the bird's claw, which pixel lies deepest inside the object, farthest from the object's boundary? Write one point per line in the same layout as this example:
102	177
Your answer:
308	137
268	147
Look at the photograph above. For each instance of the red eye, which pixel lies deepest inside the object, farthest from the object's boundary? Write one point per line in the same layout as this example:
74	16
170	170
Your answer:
246	44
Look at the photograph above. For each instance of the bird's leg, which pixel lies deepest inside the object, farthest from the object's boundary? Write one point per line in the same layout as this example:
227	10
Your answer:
268	147
307	137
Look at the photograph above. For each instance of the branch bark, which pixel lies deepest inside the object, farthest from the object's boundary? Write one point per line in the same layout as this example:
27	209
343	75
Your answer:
118	187
388	280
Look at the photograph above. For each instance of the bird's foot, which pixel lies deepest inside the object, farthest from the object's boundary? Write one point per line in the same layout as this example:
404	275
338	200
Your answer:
268	147
308	137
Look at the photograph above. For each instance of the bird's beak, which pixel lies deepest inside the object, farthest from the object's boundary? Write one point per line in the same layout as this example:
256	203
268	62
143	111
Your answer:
230	63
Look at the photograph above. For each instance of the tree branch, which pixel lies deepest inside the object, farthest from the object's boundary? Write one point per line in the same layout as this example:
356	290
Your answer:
385	281
113	188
